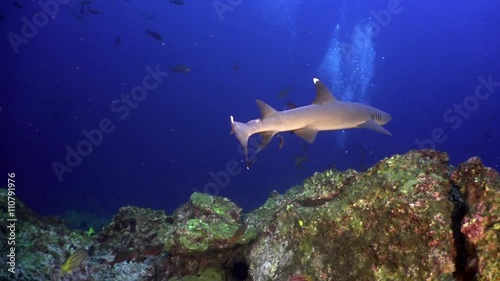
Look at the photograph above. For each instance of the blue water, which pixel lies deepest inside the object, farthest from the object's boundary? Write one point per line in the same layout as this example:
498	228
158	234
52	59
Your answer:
69	76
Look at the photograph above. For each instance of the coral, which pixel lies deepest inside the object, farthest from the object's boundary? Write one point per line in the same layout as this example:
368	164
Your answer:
409	217
392	222
481	225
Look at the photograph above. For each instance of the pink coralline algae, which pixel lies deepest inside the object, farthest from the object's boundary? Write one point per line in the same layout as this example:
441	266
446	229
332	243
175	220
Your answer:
473	228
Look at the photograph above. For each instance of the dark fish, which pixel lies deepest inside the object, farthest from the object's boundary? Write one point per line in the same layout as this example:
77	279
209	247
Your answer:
155	35
180	68
153	250
237	235
17	4
82	4
299	277
290	105
124	255
140	258
177	2
118	40
236	66
299	161
1	17
283	93
94	11
149	17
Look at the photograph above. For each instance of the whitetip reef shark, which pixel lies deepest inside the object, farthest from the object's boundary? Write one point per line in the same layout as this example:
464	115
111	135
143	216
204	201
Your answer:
326	113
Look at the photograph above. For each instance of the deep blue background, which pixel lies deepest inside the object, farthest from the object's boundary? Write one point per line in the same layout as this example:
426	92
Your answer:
64	80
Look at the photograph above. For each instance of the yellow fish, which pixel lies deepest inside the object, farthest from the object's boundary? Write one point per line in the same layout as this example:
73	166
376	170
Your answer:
74	260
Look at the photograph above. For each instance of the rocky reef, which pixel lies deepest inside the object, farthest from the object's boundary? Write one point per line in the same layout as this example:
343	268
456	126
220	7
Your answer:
409	217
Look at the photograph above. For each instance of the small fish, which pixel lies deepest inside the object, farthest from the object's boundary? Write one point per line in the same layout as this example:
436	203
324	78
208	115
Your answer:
17	4
155	35
74	260
1	17
236	66
149	17
177	2
90	232
299	160
124	255
290	105
82	4
283	93
180	68
153	250
94	11
299	277
237	235
118	40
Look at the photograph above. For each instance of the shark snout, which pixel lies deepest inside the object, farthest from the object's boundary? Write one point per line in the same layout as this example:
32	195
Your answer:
386	118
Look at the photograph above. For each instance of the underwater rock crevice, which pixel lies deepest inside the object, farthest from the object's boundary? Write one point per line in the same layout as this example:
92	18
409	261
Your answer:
239	270
465	251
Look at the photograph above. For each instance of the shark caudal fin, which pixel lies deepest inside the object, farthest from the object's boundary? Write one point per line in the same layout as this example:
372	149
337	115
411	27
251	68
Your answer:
242	132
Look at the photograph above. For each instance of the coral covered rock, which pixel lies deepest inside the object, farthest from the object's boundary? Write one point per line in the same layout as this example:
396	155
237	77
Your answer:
41	244
481	224
392	222
409	217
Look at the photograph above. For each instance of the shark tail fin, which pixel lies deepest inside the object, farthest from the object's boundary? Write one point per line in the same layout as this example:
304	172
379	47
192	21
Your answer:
242	133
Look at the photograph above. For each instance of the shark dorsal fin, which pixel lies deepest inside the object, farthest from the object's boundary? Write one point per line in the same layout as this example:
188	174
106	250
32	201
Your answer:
323	95
265	109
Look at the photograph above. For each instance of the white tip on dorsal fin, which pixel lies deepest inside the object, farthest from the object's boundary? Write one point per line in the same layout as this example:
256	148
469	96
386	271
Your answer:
323	95
265	109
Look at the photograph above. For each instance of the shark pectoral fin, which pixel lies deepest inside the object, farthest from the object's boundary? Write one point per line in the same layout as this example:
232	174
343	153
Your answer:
265	109
307	134
323	94
370	124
